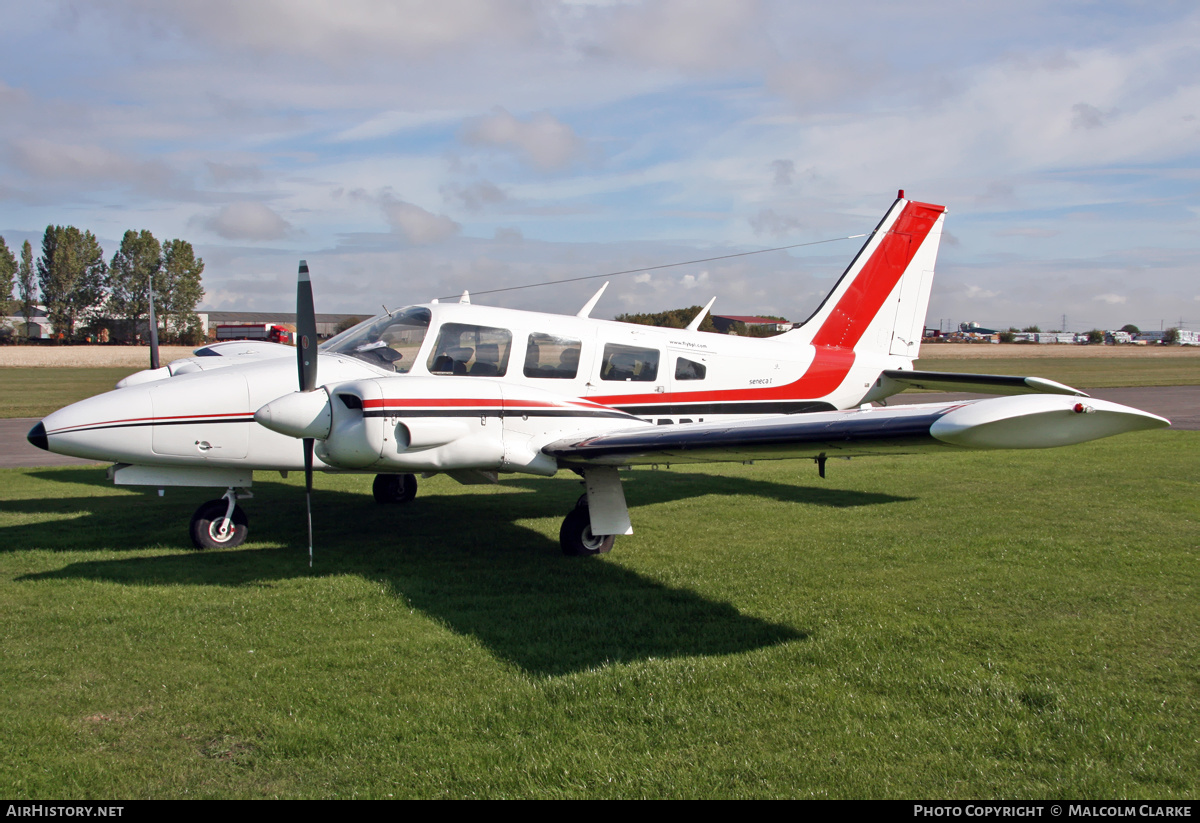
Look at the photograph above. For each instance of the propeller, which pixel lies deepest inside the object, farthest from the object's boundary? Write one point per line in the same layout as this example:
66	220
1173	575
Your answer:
306	364
153	331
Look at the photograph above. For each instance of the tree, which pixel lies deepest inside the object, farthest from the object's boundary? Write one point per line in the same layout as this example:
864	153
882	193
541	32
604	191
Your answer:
135	266
181	291
1032	329
8	276
670	319
27	285
347	323
71	273
1132	329
1095	336
1171	336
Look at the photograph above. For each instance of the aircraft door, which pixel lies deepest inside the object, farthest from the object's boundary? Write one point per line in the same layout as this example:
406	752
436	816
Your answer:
212	424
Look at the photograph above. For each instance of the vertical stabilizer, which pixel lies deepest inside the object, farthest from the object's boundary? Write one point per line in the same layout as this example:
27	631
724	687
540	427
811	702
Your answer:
878	305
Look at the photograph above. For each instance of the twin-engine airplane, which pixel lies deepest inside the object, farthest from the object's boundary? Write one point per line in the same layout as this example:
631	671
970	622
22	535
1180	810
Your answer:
474	392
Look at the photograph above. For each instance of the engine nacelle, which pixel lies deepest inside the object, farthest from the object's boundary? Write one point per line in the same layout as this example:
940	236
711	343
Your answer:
355	441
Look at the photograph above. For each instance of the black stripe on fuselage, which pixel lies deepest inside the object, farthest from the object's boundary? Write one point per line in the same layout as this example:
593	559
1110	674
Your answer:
494	412
137	423
751	407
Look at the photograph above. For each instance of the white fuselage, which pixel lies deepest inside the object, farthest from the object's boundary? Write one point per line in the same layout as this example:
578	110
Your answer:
203	415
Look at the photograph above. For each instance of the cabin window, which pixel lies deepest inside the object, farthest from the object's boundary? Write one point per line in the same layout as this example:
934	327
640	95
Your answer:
689	369
476	351
390	341
552	357
629	363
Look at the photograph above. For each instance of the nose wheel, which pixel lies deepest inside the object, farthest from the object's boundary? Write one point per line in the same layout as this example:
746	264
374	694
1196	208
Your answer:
216	526
220	524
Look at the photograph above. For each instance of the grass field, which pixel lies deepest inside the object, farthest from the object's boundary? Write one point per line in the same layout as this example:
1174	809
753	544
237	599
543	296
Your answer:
1005	625
50	379
1082	373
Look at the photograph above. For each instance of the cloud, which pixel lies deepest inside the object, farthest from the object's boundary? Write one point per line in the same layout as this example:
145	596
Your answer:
784	171
1087	117
1026	231
415	223
543	141
342	29
685	34
80	163
1111	299
983	294
247	220
394	122
474	197
768	221
225	173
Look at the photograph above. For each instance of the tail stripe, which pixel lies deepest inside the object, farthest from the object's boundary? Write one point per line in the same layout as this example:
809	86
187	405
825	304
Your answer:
866	293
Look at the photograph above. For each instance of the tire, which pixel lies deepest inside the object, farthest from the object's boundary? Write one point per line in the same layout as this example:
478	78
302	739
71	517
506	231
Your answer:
394	488
576	538
206	525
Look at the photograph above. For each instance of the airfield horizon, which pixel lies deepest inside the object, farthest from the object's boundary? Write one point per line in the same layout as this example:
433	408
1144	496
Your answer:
138	357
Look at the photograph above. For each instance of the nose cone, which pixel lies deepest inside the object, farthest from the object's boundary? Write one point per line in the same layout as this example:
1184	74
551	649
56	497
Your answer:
112	427
299	414
37	436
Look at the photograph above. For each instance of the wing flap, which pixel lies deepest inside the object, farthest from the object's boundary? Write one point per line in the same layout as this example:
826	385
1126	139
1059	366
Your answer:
1004	384
1032	422
901	429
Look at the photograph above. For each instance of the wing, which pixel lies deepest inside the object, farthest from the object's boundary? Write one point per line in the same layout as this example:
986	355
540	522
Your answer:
978	383
1030	422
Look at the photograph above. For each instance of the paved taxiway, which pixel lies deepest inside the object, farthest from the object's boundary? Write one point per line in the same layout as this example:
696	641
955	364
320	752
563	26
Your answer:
1179	404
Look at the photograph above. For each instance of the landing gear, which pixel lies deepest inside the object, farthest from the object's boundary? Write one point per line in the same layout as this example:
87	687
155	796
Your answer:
394	488
219	524
576	538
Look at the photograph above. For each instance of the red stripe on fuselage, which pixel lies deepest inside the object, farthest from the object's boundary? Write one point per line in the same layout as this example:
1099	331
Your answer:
199	418
461	402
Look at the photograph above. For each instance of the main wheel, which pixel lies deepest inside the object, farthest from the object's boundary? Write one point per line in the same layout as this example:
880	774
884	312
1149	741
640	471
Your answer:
207	524
576	538
394	488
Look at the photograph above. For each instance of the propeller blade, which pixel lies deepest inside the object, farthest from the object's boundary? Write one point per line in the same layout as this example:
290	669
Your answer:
153	332
306	331
308	478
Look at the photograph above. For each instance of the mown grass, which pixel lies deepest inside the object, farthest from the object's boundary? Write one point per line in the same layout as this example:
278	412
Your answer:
37	391
1081	372
43	390
1013	624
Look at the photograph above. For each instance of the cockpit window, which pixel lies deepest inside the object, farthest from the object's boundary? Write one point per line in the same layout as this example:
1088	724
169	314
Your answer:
477	351
389	341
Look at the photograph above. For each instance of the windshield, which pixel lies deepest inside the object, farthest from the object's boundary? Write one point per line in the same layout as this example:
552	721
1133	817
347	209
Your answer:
389	341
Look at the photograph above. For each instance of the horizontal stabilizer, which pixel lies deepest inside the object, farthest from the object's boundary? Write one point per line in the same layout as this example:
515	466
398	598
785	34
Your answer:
1033	422
977	383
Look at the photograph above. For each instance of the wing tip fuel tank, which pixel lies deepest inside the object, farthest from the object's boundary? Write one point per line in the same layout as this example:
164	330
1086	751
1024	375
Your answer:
1039	422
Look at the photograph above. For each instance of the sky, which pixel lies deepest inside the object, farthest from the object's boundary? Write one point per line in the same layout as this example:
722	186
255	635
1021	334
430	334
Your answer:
415	148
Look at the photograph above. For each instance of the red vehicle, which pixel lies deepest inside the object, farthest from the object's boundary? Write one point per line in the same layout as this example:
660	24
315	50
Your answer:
257	331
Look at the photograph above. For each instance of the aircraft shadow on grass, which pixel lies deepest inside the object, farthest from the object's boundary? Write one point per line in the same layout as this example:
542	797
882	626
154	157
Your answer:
462	559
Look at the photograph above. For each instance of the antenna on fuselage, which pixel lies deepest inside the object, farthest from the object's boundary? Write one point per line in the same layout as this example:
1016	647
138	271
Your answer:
699	318
586	311
466	297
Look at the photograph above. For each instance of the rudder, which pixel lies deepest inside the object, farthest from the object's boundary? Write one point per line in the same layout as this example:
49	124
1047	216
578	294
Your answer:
878	304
